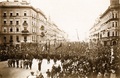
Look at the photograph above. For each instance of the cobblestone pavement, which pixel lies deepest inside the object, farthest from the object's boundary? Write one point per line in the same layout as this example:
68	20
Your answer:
10	72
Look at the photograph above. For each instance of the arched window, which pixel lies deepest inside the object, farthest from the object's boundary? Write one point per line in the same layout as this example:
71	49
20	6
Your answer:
11	30
17	29
114	42
42	27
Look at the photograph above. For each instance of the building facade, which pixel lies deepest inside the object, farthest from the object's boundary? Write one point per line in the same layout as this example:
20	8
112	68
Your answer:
21	22
106	29
54	34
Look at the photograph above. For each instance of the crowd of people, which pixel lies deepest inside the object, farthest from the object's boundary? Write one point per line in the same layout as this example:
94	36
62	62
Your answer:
76	61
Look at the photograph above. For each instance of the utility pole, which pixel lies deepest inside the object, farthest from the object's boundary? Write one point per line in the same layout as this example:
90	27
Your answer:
77	35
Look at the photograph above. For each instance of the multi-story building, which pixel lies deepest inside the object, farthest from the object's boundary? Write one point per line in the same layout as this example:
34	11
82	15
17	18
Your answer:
107	27
21	22
54	34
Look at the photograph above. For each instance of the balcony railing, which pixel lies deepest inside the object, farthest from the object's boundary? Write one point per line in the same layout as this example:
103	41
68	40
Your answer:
24	32
110	38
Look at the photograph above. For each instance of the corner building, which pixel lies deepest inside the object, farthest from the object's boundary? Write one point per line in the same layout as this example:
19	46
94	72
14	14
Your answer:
106	29
20	22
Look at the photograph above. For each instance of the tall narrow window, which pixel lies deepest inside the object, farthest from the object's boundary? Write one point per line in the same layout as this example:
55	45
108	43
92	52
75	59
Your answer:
11	37
11	30
112	15
116	24
17	29
108	34
112	33
115	15
17	22
116	33
112	24
5	39
11	22
17	38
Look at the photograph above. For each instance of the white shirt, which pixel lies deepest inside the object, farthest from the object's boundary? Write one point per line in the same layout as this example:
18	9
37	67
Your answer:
32	77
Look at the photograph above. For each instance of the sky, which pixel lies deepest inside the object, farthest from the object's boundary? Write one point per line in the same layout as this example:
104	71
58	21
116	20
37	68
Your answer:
72	16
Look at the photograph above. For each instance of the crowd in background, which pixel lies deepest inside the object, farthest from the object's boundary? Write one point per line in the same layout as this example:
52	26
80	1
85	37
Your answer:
77	60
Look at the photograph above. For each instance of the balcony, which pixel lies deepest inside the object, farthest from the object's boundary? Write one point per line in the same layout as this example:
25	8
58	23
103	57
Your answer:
25	32
25	24
109	38
17	24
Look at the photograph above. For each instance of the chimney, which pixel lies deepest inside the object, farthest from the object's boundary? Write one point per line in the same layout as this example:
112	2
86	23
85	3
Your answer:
15	0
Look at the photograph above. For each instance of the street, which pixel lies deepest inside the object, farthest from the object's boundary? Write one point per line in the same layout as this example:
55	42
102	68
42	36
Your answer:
10	72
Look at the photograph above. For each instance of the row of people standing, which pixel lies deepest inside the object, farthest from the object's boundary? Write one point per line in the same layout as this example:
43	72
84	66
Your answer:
20	63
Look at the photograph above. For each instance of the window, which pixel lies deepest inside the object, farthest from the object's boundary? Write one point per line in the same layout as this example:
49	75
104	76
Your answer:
112	15
25	38
115	15
11	37
25	14
11	30
4	22
116	24
5	30
108	34
112	24
10	14
116	33
25	28
5	39
11	22
112	33
17	22
17	38
17	14
4	14
25	23
17	29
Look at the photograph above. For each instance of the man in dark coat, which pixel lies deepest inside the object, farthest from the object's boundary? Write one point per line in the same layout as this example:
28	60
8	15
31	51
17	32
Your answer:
30	64
48	59
13	62
17	61
48	73
39	66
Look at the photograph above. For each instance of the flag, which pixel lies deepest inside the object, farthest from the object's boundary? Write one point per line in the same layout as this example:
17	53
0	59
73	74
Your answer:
58	46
